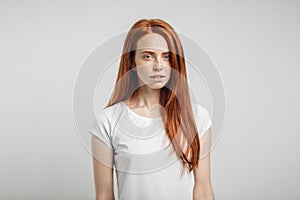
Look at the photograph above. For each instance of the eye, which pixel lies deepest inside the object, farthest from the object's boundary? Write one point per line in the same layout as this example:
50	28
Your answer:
167	57
147	56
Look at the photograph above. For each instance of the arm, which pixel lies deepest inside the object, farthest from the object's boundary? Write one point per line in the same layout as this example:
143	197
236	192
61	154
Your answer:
103	169
202	188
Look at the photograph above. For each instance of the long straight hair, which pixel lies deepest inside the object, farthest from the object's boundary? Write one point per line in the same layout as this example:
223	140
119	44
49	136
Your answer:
178	118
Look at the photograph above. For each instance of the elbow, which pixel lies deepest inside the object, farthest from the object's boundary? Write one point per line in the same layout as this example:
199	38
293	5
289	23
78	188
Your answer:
105	196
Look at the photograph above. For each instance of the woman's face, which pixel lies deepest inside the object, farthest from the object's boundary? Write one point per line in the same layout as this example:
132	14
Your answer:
152	61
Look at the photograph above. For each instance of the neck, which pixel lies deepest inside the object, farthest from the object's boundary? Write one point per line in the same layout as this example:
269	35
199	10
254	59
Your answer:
147	97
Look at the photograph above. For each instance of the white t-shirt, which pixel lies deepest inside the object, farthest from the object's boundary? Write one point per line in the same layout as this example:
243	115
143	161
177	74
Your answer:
143	166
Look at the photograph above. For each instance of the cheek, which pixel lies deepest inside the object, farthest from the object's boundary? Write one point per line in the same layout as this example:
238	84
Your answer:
169	70
142	71
140	67
142	64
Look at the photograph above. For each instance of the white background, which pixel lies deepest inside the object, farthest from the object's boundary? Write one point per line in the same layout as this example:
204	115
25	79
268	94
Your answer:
254	45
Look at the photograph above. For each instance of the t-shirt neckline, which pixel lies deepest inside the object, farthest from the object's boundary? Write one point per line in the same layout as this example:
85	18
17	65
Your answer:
137	115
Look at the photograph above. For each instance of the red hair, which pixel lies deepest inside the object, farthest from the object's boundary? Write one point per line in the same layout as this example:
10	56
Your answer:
179	121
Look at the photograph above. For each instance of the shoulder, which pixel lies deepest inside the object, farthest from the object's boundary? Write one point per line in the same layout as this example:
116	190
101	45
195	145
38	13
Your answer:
202	117
199	110
108	114
104	120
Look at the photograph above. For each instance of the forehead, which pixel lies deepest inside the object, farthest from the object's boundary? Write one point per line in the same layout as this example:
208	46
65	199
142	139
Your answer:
152	41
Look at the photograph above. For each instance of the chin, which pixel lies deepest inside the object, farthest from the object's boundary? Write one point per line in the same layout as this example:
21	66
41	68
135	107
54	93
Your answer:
156	86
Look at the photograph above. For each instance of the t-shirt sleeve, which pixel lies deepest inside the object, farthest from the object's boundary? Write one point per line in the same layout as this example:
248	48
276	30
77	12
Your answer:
204	121
101	129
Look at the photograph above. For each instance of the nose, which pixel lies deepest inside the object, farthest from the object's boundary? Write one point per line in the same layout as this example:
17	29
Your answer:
157	65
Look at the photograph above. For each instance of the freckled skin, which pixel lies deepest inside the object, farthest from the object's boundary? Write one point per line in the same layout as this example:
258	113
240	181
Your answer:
156	61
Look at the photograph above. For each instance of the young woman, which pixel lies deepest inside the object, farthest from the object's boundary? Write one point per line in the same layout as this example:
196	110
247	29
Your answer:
148	118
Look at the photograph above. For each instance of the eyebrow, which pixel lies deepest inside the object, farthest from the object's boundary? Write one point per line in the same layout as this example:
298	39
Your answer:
151	52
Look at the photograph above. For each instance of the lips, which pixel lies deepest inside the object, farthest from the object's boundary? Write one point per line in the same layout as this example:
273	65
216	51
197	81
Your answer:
157	76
